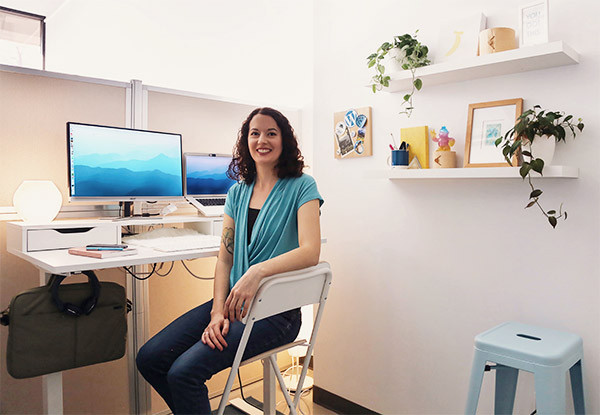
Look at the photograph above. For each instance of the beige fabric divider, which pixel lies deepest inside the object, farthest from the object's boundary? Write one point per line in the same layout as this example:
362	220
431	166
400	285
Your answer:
34	110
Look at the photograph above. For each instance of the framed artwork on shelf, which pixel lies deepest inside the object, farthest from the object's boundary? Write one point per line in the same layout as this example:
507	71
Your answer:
487	121
533	23
352	136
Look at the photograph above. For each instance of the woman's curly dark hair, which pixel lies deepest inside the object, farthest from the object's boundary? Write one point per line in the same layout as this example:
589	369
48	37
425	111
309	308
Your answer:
291	161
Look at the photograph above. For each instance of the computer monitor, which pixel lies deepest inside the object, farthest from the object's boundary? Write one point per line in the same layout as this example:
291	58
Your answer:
206	174
123	164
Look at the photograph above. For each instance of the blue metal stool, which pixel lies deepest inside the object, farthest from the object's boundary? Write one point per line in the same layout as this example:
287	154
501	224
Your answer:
548	354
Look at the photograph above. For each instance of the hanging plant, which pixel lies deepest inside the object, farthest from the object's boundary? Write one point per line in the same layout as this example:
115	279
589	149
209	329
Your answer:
411	54
532	125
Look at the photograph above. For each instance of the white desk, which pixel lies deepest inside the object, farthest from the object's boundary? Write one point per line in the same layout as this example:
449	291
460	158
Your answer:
61	262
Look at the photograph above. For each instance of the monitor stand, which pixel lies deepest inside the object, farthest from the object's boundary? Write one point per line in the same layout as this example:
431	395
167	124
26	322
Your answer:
132	210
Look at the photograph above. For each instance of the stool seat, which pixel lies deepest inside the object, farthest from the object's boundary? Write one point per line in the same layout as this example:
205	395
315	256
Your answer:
548	354
532	344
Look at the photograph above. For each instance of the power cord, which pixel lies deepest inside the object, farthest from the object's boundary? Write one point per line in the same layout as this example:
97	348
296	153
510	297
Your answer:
166	273
196	276
148	274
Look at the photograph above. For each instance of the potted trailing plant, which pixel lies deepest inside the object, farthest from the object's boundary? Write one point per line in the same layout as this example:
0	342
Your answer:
410	54
536	125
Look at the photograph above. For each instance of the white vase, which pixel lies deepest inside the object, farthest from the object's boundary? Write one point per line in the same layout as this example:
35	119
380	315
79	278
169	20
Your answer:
542	147
394	60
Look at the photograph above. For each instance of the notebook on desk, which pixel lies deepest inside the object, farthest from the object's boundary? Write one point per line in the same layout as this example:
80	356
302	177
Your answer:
206	181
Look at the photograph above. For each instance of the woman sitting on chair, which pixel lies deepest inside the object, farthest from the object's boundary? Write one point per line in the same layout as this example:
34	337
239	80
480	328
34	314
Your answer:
271	225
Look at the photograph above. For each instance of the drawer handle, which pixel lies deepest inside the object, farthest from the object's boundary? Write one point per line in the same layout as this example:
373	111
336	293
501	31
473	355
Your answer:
73	230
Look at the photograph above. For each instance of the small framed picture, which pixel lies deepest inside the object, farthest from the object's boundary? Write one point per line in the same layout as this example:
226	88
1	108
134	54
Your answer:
533	23
487	122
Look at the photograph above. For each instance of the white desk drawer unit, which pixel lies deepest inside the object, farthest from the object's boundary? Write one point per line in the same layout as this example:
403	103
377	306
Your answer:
32	238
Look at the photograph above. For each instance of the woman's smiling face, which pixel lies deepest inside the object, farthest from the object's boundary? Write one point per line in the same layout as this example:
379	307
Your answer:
264	141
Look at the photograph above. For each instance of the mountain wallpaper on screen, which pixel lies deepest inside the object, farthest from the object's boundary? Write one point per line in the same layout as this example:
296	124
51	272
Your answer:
160	176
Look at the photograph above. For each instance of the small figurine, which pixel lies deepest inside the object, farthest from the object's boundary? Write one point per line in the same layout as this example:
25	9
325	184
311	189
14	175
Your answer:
444	142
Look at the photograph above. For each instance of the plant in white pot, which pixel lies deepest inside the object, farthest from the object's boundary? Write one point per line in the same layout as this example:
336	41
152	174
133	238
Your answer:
405	51
532	139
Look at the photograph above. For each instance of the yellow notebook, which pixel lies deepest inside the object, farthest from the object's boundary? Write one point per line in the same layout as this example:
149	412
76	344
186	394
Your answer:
418	140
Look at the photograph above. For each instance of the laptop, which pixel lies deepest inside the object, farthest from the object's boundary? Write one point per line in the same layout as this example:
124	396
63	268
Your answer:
206	181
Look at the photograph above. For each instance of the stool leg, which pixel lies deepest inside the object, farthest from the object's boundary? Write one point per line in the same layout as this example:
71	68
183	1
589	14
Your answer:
477	371
577	388
506	386
550	391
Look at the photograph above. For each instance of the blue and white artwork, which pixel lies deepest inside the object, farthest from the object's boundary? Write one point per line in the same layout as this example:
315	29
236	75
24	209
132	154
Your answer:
122	163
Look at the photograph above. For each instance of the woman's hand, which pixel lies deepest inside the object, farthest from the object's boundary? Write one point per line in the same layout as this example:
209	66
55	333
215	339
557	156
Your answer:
215	332
242	294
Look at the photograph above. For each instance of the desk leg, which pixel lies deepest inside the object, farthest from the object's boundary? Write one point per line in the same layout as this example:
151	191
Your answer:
137	291
269	388
52	387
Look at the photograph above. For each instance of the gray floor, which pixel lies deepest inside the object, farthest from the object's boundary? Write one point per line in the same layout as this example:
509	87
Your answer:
255	390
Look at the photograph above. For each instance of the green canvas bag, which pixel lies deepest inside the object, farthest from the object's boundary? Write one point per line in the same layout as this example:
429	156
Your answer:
58	327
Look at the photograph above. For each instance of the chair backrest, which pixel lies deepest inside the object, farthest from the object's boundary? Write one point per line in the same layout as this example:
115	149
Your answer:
290	290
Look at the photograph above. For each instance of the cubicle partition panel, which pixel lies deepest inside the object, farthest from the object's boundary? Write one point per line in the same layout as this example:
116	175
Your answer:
35	107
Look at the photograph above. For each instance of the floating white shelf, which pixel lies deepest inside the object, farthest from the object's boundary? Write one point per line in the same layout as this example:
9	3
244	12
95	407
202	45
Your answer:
529	58
564	172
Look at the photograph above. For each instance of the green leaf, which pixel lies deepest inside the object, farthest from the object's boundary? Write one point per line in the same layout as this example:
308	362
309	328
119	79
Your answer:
418	84
535	193
371	63
526	153
551	212
406	97
381	69
374	87
537	165
530	204
524	170
498	141
552	221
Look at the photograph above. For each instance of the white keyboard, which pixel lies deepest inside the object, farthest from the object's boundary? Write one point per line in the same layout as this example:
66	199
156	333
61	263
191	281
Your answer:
174	240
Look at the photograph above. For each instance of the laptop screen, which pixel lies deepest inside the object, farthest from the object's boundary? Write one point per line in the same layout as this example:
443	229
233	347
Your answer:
206	174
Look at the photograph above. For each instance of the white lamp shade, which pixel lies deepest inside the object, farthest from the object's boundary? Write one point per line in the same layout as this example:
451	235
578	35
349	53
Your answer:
37	201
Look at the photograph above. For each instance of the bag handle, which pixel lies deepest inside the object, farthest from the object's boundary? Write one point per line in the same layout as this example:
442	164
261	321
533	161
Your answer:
71	309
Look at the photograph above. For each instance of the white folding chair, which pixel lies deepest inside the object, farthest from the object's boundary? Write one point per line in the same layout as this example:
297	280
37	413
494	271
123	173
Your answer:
276	294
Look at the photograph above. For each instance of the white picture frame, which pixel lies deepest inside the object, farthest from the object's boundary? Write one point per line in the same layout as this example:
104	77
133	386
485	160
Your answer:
533	23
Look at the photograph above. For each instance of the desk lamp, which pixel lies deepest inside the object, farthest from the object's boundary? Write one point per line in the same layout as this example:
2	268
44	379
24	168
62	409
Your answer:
37	201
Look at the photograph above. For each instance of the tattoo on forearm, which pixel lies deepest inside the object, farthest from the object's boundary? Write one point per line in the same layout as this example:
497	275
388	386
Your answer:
227	239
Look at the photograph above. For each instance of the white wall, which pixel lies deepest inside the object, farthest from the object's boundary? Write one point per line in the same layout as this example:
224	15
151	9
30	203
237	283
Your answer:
421	267
255	50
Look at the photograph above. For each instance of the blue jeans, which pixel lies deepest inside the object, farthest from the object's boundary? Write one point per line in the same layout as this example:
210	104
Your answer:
177	364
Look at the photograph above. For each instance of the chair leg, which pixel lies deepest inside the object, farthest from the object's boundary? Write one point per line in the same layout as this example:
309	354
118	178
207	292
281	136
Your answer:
234	368
269	389
477	371
506	386
577	388
286	395
550	396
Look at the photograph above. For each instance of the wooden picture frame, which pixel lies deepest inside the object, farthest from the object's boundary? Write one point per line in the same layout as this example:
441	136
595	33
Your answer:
533	23
488	121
